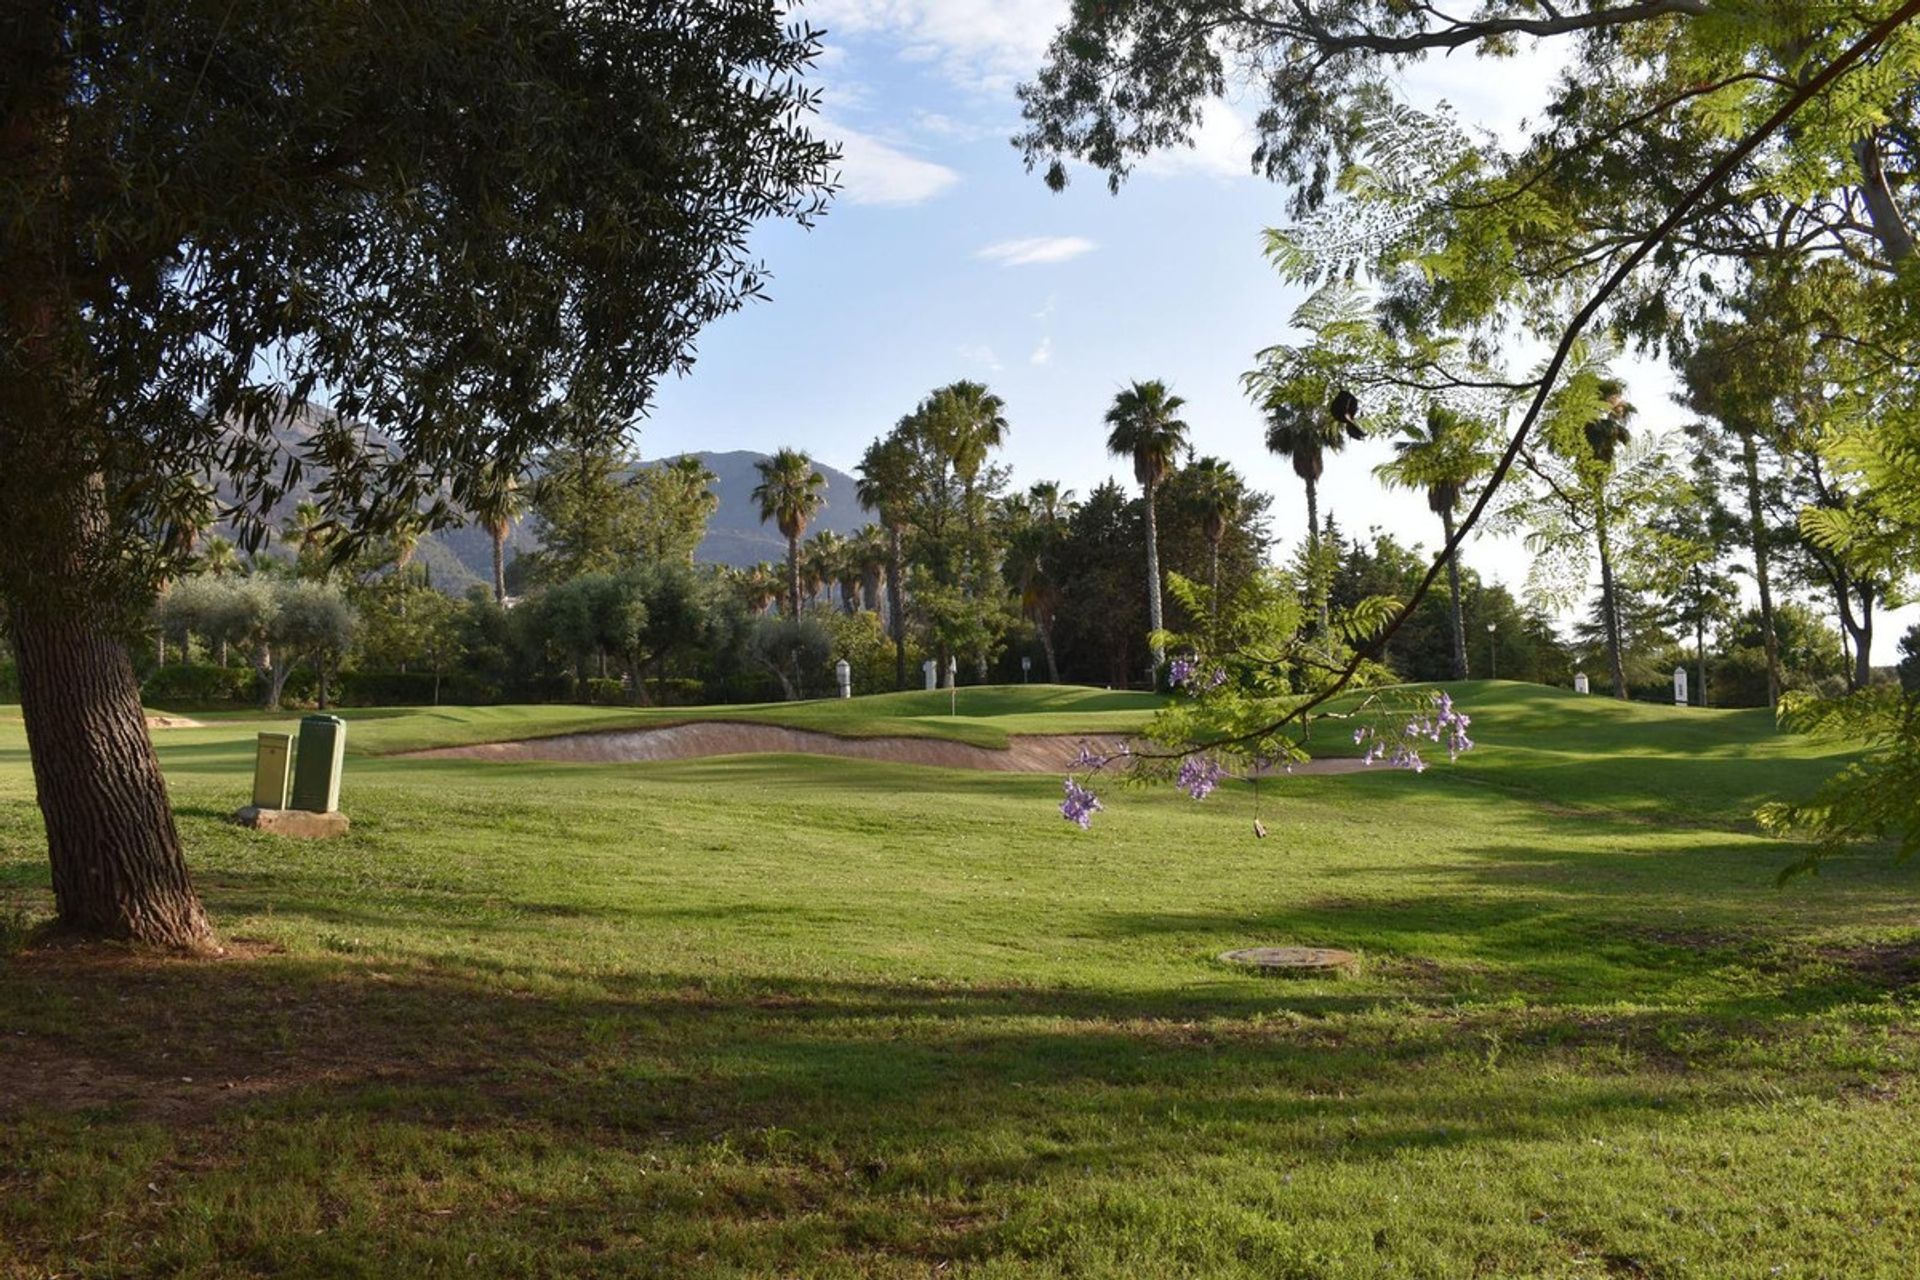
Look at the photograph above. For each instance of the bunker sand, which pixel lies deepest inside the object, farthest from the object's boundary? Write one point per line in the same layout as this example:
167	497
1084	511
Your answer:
1024	753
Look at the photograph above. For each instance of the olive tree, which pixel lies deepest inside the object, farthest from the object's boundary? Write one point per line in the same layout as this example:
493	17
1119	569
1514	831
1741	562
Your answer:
447	220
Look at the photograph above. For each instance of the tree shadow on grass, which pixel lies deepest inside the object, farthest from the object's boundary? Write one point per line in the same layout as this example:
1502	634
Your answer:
766	1120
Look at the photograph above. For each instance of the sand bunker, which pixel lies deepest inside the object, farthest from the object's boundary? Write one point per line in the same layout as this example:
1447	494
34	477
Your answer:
1024	753
173	722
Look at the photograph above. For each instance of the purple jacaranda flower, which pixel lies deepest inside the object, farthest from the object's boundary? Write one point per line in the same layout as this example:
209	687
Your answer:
1199	775
1218	678
1080	805
1180	672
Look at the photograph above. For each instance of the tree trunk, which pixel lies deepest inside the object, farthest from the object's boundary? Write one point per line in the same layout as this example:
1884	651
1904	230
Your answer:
320	667
1883	209
1859	628
1700	650
1153	577
793	577
1459	619
1609	612
1762	573
1313	550
278	673
499	564
1046	648
118	869
896	609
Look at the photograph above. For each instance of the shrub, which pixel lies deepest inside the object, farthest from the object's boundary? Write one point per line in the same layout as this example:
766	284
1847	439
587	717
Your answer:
181	684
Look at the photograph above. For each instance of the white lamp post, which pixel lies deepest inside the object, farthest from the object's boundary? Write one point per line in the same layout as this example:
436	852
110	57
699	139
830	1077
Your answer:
1493	655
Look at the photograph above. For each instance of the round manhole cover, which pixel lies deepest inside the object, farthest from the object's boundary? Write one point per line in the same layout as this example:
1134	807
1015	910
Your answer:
1303	962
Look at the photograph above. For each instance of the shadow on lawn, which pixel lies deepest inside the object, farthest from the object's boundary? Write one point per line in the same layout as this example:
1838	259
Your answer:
870	1118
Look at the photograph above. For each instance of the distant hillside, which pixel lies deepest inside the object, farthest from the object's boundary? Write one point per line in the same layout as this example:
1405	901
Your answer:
460	558
736	536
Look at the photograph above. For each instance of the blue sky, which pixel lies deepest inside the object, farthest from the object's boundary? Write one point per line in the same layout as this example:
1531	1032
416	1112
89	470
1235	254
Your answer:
944	259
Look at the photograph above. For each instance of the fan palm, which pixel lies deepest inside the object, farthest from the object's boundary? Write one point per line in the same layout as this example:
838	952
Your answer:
1039	522
789	494
497	502
869	550
1442	458
1145	425
1305	436
1216	493
886	488
220	557
760	585
970	422
311	533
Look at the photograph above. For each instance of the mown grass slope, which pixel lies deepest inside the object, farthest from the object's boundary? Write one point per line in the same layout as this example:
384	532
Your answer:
780	1016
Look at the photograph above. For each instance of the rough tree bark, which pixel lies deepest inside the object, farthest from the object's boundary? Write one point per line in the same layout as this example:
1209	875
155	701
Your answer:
118	870
117	866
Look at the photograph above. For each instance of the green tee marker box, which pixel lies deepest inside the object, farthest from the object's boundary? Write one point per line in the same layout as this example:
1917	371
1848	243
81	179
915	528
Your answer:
316	773
272	770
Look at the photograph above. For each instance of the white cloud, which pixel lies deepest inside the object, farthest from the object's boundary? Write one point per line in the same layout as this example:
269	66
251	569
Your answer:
1035	249
980	354
1222	148
983	45
1042	353
876	172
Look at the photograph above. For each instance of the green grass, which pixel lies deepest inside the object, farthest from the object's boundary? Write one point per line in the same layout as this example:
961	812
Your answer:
982	716
780	1016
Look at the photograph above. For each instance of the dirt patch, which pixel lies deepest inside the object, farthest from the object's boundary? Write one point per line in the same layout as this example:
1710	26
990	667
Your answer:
1024	753
185	1070
1893	966
173	722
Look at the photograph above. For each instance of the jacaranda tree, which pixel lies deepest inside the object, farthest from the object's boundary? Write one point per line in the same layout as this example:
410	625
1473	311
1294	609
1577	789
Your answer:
444	219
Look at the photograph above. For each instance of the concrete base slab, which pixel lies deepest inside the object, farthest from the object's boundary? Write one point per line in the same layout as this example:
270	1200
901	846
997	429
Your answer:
299	823
1297	962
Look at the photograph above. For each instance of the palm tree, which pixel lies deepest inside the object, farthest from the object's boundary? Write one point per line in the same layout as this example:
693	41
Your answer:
220	557
789	495
1444	457
760	585
311	533
1145	425
1216	493
886	488
1305	436
969	422
497	502
1039	522
1606	434
869	550
824	566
